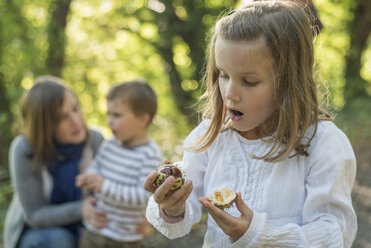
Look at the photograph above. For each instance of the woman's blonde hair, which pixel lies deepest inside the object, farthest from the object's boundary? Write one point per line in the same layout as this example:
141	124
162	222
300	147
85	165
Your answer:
286	28
41	114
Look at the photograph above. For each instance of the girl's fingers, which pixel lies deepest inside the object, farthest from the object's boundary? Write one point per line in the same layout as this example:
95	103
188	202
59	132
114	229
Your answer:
232	226
180	196
162	192
221	217
242	207
149	182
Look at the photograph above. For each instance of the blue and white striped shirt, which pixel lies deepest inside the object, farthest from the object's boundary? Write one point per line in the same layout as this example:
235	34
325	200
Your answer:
122	196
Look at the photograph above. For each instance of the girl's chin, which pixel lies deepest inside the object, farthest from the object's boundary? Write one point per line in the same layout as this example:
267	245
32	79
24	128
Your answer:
240	128
248	133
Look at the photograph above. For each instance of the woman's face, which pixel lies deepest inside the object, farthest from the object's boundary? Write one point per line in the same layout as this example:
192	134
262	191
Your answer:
246	81
71	129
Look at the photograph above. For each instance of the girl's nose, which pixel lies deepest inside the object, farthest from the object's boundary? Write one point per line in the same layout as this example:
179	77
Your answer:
232	92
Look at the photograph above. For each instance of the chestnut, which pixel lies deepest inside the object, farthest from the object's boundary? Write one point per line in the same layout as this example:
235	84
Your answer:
166	170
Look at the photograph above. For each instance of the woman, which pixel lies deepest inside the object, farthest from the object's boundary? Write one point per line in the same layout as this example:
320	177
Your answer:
46	209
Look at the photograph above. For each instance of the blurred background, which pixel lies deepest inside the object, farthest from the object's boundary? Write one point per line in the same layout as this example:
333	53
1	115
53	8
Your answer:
93	44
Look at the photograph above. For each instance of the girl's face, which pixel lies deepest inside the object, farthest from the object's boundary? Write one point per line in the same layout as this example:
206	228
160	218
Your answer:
125	125
246	80
71	129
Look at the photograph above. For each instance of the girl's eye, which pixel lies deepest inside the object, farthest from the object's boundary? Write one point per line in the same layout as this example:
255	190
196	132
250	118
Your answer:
224	76
249	83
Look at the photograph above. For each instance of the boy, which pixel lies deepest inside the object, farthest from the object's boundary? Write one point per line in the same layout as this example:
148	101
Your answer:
118	172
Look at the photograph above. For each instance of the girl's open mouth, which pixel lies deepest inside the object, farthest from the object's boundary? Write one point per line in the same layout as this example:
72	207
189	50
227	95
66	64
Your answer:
235	115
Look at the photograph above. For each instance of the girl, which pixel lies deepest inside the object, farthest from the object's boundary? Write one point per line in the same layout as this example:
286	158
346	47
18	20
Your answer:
46	209
265	137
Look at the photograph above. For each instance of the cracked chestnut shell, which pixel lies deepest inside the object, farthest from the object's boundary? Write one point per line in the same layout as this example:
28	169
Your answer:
166	170
223	198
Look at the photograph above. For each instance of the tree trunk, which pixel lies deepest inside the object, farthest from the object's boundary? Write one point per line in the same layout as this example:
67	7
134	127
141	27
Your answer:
6	122
360	28
57	37
193	32
6	115
183	99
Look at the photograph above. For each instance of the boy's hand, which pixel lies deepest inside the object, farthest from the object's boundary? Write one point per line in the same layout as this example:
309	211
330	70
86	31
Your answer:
90	182
232	226
144	228
172	202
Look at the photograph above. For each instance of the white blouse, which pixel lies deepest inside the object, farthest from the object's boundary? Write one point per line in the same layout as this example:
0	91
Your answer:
298	202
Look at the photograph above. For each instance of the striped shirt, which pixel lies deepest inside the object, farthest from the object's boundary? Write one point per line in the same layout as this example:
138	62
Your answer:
122	196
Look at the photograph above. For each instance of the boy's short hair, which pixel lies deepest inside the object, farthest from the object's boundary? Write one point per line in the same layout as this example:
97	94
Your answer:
140	97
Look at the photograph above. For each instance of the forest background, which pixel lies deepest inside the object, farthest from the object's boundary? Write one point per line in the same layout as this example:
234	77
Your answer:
93	44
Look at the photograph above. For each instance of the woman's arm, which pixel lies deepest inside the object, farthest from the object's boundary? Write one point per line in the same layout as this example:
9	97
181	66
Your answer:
28	184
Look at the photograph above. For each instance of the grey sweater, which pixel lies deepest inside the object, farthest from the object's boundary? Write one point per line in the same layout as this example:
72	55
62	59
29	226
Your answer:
32	185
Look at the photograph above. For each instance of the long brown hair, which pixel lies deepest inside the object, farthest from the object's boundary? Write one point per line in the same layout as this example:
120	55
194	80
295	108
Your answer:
40	110
286	28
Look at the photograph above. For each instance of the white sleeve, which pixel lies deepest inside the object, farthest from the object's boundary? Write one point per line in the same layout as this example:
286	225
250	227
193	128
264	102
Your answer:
194	165
329	219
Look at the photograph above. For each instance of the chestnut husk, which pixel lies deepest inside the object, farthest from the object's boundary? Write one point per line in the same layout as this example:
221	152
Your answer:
217	194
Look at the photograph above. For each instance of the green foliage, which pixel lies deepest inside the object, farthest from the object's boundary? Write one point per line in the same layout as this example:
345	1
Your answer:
355	121
99	55
331	46
114	41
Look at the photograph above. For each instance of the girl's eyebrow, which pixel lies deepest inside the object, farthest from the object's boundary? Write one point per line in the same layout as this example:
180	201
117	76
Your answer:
245	73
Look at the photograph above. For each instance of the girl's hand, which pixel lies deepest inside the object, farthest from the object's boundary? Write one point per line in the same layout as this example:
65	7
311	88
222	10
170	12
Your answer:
232	226
90	182
94	217
172	202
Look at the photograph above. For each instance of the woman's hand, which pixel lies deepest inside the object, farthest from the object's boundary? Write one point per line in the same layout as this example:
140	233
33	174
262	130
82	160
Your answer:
232	226
94	217
172	202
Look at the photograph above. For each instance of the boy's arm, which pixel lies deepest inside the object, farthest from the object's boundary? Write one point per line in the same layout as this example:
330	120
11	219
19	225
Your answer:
90	182
91	179
128	194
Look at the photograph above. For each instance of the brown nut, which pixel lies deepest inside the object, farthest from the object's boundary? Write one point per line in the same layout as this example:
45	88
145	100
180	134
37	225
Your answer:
166	170
223	198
